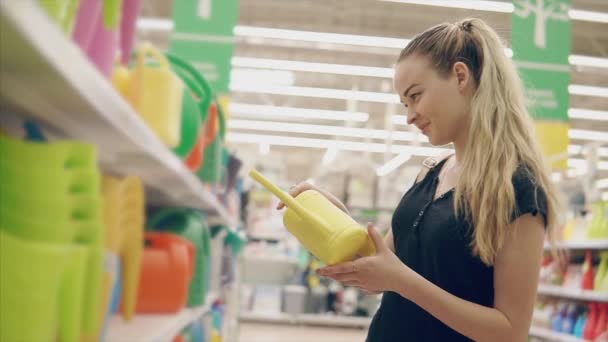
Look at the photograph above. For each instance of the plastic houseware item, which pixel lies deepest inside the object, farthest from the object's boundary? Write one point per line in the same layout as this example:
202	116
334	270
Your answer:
103	48
598	228
601	276
211	172
121	78
72	294
191	226
167	269
62	11
72	216
199	86
111	13
326	231
124	218
128	20
206	137
65	154
602	321
48	180
588	272
31	274
580	325
89	13
109	283
236	240
191	118
591	322
156	93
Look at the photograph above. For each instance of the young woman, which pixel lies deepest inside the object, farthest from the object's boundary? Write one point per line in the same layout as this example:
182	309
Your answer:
462	259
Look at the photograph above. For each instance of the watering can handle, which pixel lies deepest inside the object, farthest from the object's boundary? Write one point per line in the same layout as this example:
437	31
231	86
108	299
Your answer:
289	201
180	63
147	49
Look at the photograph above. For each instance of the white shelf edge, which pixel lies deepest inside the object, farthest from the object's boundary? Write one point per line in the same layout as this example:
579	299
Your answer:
579	294
155	327
552	335
599	244
43	61
307	319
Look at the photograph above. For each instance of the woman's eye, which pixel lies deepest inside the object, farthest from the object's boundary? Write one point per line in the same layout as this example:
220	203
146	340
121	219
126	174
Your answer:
415	96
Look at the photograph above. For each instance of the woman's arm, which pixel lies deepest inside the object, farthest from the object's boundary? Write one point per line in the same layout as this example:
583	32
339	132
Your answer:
516	273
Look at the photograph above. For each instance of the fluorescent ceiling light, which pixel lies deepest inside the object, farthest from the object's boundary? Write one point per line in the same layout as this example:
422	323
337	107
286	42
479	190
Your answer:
162	24
256	76
587	114
340	69
588	61
503	7
583	134
602	183
578	149
264	149
393	164
258	111
330	155
327	93
480	5
285	127
321	37
583	164
234	137
583	90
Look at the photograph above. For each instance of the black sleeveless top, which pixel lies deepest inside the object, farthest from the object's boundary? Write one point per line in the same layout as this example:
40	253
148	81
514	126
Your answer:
434	242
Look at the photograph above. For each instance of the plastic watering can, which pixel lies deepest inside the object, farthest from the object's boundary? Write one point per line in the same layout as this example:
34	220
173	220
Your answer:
199	86
31	275
191	117
206	137
321	227
128	21
191	226
72	294
211	171
156	93
167	269
62	11
598	228
124	220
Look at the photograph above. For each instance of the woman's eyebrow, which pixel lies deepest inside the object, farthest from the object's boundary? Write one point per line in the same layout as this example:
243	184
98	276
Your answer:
408	89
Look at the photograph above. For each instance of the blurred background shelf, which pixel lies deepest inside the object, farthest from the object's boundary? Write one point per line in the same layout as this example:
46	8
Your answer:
600	244
307	319
156	328
553	336
579	294
46	77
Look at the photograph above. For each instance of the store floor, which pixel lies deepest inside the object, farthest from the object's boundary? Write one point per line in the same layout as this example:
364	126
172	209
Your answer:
256	332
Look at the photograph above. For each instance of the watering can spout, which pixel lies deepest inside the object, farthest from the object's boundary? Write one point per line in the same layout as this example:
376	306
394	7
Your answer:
289	201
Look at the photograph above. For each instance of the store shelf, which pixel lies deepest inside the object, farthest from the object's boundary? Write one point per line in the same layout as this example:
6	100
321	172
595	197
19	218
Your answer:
600	244
44	76
552	336
586	295
307	319
155	328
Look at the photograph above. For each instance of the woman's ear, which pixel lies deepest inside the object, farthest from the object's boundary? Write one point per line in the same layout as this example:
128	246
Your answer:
463	75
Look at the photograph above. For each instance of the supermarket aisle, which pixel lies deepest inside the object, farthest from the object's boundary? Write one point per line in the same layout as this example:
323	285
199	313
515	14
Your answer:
256	332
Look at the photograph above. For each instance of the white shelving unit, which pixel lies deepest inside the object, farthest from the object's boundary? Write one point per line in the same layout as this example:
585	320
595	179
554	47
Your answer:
155	328
553	336
45	76
307	319
578	294
600	244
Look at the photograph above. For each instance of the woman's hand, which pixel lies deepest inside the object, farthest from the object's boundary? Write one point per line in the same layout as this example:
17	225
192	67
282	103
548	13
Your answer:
380	272
295	190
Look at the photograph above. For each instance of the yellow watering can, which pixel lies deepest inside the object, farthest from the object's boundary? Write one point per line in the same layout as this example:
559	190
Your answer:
155	92
321	227
124	219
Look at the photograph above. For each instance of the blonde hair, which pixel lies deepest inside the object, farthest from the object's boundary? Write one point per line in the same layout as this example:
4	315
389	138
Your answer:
501	138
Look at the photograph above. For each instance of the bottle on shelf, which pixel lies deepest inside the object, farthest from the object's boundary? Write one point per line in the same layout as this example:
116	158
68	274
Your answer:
602	321
591	324
588	277
579	328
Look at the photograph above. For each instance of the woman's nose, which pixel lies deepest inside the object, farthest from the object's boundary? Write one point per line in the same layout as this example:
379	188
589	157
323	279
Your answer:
411	116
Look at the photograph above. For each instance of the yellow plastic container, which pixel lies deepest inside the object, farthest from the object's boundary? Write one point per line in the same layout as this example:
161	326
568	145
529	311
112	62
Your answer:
124	219
156	93
321	227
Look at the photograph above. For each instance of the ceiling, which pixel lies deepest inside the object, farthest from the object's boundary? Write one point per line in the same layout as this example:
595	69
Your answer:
368	18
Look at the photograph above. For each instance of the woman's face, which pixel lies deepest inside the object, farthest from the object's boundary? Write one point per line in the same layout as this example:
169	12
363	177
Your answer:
438	105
